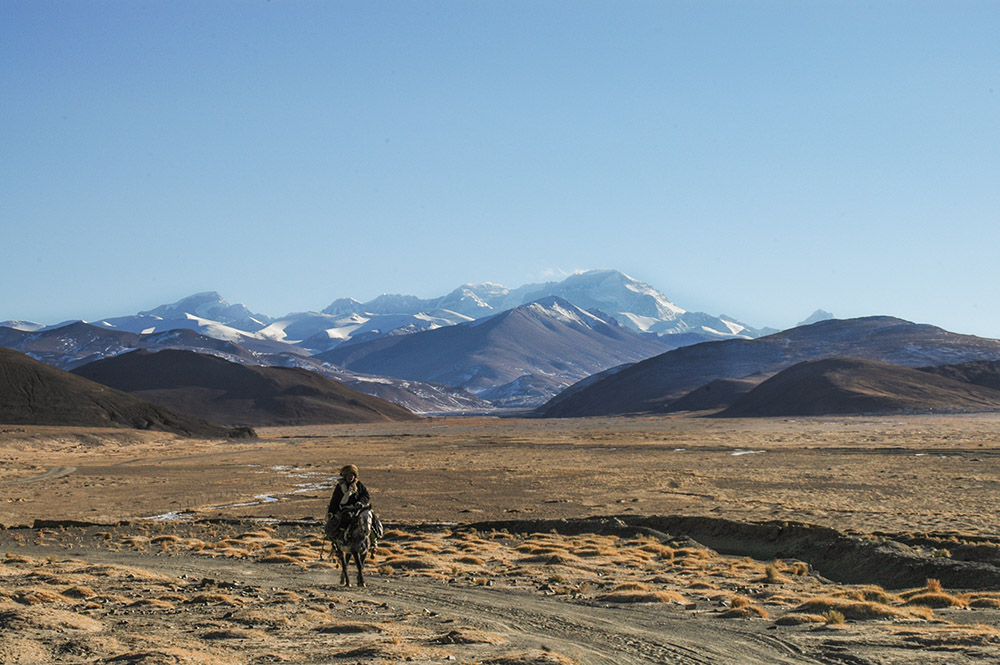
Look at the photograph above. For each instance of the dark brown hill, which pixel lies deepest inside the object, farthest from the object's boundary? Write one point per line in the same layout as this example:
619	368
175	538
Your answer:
715	394
984	373
854	386
653	384
33	393
216	389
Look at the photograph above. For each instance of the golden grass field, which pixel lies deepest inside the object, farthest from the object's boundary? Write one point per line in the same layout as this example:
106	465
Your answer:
237	574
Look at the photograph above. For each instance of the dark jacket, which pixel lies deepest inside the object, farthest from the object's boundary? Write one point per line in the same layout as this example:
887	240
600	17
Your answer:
360	499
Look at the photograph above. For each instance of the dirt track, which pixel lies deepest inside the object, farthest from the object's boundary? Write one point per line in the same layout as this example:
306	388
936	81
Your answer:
593	634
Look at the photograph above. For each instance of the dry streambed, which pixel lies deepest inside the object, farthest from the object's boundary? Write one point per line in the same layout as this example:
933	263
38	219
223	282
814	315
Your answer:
63	607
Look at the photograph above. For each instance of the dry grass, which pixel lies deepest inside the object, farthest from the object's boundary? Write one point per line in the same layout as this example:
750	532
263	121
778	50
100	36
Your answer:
216	599
798	619
860	610
531	658
938	600
640	596
469	635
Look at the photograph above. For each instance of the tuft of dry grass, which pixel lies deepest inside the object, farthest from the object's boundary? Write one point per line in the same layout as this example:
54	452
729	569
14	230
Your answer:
772	575
280	558
153	603
38	596
234	634
79	592
471	560
748	612
835	618
799	568
468	635
347	628
639	596
797	619
413	563
534	657
984	601
215	599
937	600
860	610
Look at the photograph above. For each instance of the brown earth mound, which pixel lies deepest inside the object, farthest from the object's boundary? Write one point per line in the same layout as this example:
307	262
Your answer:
984	373
216	389
33	393
858	386
716	394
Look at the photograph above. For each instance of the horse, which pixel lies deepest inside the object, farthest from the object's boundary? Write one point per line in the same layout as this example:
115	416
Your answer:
355	540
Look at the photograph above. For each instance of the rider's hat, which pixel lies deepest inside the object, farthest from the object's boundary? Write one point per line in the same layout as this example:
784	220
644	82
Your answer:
349	470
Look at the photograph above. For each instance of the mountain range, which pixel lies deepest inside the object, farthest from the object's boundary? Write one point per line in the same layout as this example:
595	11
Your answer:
77	344
655	384
596	343
631	320
516	358
633	303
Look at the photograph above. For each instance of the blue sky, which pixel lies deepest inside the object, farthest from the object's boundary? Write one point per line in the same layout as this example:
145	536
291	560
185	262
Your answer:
758	159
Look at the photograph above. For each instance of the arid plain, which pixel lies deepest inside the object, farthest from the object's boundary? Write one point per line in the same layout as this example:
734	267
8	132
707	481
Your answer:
139	547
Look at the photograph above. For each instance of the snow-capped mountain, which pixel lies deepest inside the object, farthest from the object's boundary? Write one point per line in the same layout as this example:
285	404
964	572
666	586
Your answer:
24	326
77	344
207	313
634	304
518	357
210	305
578	303
319	331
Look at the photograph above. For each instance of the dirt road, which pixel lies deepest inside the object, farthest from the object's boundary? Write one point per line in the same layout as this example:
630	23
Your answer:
591	634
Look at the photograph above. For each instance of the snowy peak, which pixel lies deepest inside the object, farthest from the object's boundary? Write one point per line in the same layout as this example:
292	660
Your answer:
343	306
474	300
554	307
23	326
210	305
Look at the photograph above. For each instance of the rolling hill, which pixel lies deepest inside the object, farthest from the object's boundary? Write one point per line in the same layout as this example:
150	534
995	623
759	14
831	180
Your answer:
856	386
216	389
654	384
33	393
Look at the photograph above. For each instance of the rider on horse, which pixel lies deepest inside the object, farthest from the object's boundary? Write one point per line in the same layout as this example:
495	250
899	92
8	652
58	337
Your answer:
350	498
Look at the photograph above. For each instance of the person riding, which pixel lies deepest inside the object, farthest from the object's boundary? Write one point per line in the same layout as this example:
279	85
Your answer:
350	498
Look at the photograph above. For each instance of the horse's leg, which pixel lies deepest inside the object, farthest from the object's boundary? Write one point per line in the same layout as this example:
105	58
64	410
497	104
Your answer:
359	561
344	579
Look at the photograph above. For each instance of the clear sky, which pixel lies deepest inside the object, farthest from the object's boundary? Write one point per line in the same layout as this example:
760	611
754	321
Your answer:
757	159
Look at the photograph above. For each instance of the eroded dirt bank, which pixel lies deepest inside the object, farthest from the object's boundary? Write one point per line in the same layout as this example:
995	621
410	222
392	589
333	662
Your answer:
883	559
